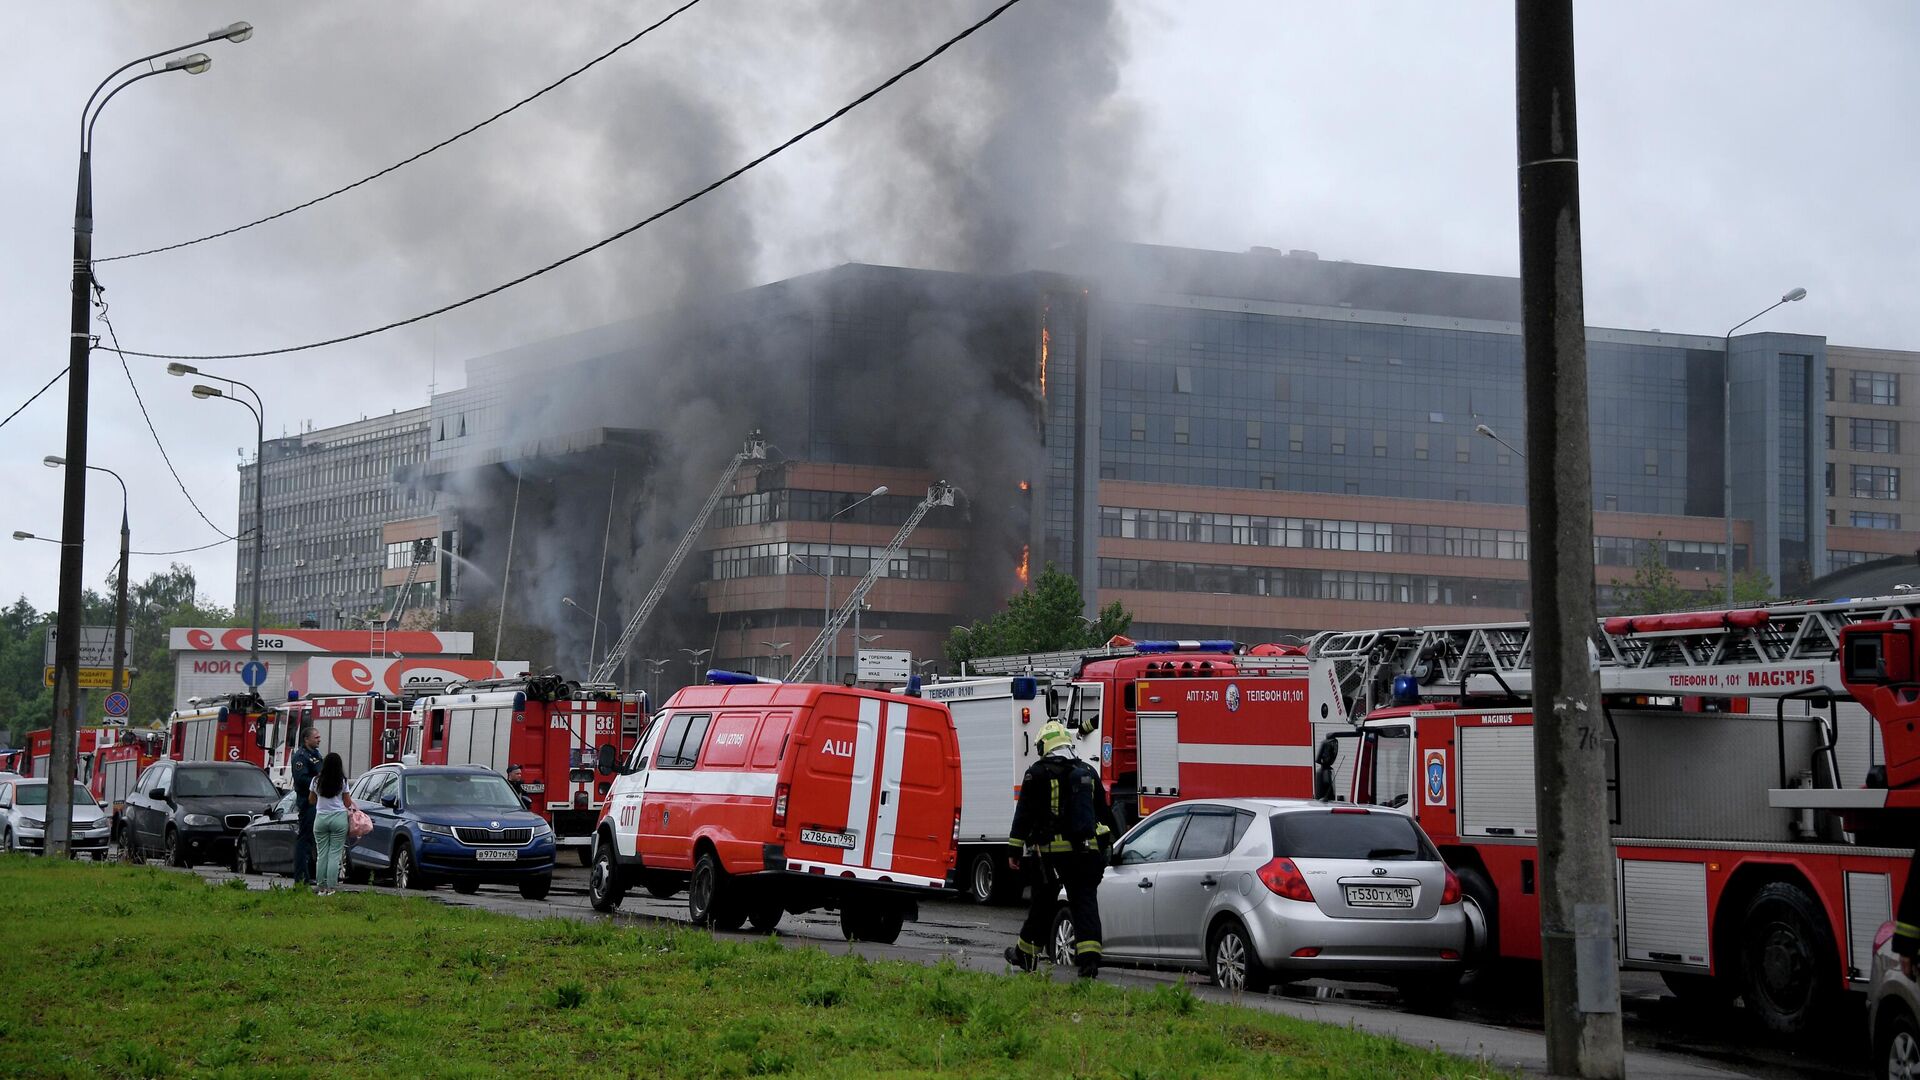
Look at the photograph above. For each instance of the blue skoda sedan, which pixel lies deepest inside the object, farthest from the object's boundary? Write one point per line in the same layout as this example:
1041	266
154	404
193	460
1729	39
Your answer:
458	824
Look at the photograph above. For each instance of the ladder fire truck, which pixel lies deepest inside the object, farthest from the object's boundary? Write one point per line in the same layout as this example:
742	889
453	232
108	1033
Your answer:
106	759
1107	681
364	729
568	738
1763	775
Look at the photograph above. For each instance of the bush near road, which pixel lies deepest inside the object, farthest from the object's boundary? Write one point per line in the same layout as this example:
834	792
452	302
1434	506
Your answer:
135	971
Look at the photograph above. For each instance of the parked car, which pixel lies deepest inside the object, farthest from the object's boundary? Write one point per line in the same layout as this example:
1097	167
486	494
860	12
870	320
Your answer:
188	812
266	844
23	819
1258	891
1893	1013
763	799
462	824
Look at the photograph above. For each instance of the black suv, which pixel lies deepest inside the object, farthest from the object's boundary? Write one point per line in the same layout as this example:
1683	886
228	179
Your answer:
188	812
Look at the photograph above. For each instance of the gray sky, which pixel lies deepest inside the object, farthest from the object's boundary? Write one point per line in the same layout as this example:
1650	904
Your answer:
1729	152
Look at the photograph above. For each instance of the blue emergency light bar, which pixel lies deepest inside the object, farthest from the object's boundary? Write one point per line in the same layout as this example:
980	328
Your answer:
1183	646
1406	690
717	677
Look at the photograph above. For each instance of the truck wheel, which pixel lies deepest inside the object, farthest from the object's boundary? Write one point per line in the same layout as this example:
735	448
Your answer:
707	891
765	915
1787	960
1478	899
1234	964
536	888
983	874
605	889
877	923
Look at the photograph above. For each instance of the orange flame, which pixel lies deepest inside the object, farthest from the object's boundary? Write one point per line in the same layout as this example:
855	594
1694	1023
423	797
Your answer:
1021	570
1046	345
1024	486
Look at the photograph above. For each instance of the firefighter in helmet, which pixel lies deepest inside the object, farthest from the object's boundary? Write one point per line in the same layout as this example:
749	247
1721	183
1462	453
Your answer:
1063	827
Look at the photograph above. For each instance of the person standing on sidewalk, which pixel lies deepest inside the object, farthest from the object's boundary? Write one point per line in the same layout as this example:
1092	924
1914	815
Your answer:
1063	827
306	767
330	806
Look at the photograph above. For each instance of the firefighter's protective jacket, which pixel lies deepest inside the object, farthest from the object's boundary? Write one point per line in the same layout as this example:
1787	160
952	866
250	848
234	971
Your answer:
1063	807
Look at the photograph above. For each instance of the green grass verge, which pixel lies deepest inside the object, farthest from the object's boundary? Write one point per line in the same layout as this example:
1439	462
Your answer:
130	971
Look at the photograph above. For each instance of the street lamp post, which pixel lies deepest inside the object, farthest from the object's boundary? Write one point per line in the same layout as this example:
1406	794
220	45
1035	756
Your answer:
73	518
826	605
654	668
694	656
202	390
1726	428
1482	429
120	592
569	601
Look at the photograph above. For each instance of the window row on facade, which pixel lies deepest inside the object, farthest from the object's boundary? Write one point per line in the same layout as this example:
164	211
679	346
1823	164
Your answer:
1868	481
1867	387
1867	436
1148	575
848	560
795	504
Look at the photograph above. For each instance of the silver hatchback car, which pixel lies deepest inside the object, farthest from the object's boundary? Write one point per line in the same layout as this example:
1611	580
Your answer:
1258	891
1893	1013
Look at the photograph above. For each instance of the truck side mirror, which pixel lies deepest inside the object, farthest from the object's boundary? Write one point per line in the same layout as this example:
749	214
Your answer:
1323	760
606	759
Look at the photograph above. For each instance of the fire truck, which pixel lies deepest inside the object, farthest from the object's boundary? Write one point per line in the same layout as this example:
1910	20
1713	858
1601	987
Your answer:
117	764
568	737
225	728
1110	674
1223	738
364	729
1763	775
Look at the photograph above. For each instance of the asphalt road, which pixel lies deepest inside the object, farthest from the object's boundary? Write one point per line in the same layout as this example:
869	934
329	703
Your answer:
1665	1036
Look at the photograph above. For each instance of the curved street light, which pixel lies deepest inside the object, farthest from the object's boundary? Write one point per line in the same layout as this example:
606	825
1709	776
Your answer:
55	461
73	517
1726	426
203	391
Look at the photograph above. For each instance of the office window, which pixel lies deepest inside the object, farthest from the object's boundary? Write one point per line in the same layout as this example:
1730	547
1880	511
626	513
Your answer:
1138	429
1283	388
1650	462
1379	443
1420	446
1829	429
1266	482
1875	388
1253	434
1875	482
1865	519
1610	502
1182	431
1352	487
1829	384
1461	451
1183	380
1339	440
1296	437
1829	489
1872	436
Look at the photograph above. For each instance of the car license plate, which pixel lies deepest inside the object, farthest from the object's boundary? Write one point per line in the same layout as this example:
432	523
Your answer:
496	855
828	839
1380	895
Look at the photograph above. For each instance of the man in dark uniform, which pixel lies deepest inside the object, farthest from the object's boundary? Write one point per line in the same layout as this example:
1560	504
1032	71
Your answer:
306	769
1063	828
514	778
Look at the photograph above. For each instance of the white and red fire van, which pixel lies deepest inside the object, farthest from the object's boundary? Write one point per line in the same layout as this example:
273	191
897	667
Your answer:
764	798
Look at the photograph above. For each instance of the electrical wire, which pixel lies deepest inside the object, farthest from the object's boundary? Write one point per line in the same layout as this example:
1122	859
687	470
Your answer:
57	376
202	547
597	245
398	165
115	338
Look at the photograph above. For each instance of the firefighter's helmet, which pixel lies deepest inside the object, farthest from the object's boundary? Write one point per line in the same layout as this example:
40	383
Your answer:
1053	736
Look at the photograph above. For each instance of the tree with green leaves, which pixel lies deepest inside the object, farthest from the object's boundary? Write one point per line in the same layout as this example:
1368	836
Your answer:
1043	617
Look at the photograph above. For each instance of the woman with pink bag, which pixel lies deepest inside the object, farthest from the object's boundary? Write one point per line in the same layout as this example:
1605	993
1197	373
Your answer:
331	804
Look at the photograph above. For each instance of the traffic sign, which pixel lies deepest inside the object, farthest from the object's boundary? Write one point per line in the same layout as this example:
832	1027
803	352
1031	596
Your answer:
117	705
91	678
96	646
254	673
883	665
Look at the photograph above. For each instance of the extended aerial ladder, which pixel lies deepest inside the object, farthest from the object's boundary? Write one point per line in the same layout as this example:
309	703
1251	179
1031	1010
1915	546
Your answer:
1735	653
377	632
940	494
754	450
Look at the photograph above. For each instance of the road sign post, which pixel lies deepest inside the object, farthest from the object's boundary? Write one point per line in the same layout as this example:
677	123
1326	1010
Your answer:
116	706
890	666
253	673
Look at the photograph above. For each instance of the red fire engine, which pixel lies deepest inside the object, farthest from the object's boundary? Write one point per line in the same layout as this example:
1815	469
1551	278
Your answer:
106	759
1114	671
364	729
1755	851
1222	738
219	729
567	738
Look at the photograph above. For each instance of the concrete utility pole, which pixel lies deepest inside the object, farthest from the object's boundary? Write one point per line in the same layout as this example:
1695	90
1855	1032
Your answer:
1579	970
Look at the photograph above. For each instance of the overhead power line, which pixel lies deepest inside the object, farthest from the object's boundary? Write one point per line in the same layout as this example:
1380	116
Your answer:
597	245
202	547
162	447
404	162
57	376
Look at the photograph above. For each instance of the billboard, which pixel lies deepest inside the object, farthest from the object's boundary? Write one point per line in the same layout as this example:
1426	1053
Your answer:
336	675
231	639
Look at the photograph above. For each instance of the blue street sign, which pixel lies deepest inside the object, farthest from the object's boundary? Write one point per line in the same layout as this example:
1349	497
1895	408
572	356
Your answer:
253	673
117	704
